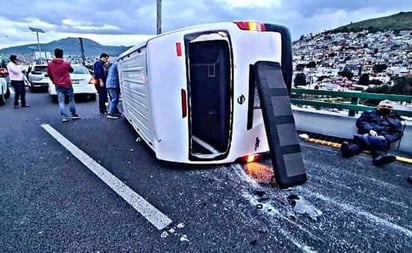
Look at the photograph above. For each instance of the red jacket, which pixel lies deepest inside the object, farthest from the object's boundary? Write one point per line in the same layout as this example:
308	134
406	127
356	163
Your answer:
59	72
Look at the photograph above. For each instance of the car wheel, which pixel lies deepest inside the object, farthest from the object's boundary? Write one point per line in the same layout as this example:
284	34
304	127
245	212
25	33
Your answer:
7	95
93	97
54	99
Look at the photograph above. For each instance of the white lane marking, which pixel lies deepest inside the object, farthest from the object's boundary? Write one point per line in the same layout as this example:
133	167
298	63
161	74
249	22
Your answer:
151	213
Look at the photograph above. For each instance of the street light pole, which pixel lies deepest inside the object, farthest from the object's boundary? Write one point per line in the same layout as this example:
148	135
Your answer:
159	16
37	31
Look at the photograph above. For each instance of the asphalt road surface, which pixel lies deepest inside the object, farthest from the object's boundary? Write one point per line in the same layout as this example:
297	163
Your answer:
89	186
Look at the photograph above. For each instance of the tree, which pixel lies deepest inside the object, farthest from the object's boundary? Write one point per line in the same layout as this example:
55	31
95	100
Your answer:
375	81
300	67
364	79
300	80
346	73
378	68
311	64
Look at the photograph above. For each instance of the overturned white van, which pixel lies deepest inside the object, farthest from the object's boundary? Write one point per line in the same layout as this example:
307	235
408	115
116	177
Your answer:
191	93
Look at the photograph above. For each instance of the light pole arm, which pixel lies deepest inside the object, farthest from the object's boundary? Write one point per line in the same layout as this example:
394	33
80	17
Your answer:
38	42
159	16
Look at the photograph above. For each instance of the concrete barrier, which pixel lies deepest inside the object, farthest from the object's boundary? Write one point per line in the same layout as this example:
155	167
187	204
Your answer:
342	126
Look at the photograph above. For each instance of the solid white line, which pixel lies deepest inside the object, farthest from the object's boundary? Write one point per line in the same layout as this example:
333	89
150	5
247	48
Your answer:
151	213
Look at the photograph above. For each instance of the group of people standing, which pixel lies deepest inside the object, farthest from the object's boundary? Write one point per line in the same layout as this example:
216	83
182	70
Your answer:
106	82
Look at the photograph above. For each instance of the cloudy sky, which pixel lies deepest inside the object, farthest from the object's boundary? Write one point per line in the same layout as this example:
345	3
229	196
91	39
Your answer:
126	22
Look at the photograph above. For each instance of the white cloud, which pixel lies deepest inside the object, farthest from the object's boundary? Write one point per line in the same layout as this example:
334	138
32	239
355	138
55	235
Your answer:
250	3
108	20
87	26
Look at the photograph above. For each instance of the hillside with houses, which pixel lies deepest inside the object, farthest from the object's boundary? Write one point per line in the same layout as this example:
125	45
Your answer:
352	60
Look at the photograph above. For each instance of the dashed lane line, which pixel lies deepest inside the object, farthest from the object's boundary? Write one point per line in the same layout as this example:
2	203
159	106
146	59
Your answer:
151	213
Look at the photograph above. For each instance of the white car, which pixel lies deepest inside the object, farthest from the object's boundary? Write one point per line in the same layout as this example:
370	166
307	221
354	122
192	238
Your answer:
4	91
38	77
81	81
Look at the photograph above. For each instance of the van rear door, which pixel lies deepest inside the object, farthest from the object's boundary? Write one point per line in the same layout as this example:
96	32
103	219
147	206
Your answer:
209	76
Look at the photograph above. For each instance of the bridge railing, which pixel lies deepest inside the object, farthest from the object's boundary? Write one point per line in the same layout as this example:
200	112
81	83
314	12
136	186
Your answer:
348	100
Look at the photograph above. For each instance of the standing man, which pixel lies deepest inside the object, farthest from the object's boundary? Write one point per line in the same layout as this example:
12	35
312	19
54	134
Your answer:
100	74
59	73
377	130
17	81
113	87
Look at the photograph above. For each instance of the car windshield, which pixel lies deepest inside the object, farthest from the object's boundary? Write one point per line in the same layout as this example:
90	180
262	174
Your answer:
80	70
40	69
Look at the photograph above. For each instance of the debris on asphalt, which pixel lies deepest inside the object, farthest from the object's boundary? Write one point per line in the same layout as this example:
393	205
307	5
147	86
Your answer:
184	238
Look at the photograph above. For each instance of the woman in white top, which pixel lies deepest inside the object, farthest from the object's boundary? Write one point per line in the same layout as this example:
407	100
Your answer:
17	81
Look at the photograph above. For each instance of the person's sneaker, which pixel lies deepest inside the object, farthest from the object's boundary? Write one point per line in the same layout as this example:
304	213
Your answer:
75	116
16	107
112	116
65	120
383	159
345	150
25	106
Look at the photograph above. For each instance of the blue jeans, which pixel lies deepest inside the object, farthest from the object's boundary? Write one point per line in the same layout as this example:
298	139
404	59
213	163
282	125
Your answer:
114	100
61	95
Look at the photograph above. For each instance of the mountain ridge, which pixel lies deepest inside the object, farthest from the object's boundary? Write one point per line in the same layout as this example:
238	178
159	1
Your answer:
396	22
70	45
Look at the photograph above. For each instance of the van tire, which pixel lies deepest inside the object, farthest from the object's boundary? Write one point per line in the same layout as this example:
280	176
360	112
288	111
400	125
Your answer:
54	98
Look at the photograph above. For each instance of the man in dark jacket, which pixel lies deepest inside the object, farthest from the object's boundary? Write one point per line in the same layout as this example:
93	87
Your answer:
100	75
377	129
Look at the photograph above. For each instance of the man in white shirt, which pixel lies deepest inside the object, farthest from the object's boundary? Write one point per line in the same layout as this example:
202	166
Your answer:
17	81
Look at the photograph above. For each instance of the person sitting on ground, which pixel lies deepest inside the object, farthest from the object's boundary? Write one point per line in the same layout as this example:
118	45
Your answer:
377	129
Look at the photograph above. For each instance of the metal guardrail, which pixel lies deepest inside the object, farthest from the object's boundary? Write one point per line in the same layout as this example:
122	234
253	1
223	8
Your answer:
297	98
